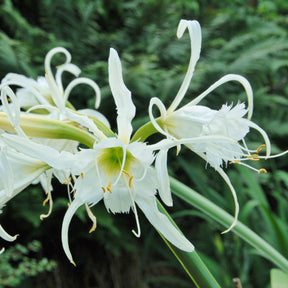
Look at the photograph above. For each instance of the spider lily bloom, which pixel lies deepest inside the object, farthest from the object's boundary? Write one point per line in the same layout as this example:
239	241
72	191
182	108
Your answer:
48	93
119	171
222	130
17	172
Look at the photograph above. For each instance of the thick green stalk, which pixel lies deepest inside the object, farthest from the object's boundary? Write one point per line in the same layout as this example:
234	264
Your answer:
218	214
191	262
43	127
145	131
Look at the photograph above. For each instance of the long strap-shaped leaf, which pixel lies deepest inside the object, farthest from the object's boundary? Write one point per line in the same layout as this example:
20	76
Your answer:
191	262
206	206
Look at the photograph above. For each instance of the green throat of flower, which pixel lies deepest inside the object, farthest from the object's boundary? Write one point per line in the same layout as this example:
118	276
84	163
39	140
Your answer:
110	160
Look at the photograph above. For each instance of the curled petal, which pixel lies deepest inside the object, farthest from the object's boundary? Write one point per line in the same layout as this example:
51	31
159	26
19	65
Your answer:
194	29
11	109
264	135
163	224
227	78
86	81
228	182
69	67
122	96
6	236
65	227
26	83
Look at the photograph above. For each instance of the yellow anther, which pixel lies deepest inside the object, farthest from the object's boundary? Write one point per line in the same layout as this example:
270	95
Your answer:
109	187
45	201
82	175
235	162
262	170
127	173
104	190
130	177
68	181
130	181
260	147
253	157
92	217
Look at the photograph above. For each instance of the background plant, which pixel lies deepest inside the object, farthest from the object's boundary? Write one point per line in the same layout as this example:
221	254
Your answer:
244	37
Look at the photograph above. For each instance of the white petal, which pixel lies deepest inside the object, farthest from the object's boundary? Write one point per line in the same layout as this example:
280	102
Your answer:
163	177
86	81
122	96
227	78
6	172
6	236
95	114
194	29
162	223
65	227
59	160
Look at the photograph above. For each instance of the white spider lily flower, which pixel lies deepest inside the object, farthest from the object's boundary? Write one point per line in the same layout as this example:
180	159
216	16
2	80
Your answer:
222	130
48	93
119	172
17	172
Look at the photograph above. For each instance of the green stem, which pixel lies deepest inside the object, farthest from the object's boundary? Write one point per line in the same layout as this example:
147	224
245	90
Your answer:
191	262
43	127
218	214
145	131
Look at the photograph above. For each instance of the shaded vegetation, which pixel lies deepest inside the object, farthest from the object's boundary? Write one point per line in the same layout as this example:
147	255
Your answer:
243	37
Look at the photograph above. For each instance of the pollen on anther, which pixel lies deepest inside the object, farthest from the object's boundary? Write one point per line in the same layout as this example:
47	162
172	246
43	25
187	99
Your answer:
130	181
109	187
104	190
262	170
82	175
260	147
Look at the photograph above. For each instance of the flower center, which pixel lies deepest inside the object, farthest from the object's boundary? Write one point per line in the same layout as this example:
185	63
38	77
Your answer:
110	160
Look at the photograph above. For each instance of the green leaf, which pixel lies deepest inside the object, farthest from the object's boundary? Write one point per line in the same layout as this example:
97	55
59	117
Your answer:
279	279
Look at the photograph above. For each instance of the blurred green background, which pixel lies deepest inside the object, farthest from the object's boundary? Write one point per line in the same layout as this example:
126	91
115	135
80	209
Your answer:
243	37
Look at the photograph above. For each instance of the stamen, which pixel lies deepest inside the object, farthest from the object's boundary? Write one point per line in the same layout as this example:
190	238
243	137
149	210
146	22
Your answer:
262	170
104	190
109	187
92	217
49	198
130	181
82	175
130	177
260	148
253	157
68	181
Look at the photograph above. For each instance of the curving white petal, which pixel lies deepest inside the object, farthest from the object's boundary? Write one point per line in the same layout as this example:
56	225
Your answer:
6	172
59	160
95	114
65	227
87	81
163	177
194	29
5	235
68	67
162	223
227	78
122	96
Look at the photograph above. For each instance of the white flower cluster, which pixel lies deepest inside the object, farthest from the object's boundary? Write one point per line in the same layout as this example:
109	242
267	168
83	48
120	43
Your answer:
124	172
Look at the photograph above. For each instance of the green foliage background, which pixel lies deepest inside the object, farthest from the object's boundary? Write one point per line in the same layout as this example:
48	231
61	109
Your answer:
243	37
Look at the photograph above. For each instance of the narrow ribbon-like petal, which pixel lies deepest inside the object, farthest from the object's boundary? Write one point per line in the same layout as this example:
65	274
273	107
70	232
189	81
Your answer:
162	223
122	96
6	236
194	29
163	177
